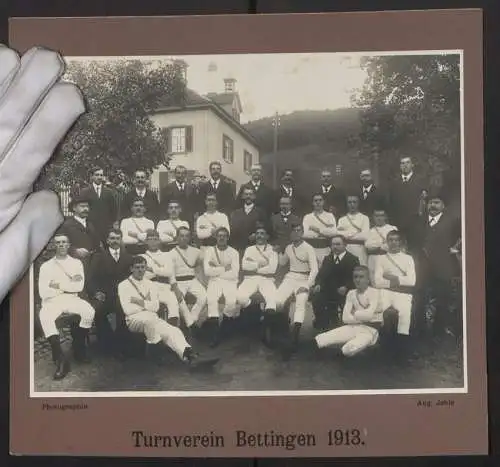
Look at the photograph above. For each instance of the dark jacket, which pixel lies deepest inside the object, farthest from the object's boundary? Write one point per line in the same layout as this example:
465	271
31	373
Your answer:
403	199
150	203
280	230
103	210
265	198
300	205
224	194
81	237
243	225
335	201
186	198
374	200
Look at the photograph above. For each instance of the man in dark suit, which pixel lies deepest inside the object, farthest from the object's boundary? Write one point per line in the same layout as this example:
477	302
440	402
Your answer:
107	269
222	189
83	236
244	222
182	192
370	197
439	235
288	189
405	200
265	197
103	203
281	224
141	190
334	280
335	198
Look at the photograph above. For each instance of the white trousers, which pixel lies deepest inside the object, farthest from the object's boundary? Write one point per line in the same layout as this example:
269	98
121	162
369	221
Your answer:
168	298
360	252
254	284
402	302
288	288
218	288
158	330
54	307
372	265
195	288
352	337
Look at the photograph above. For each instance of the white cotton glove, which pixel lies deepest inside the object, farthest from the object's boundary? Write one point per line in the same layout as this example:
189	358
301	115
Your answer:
36	111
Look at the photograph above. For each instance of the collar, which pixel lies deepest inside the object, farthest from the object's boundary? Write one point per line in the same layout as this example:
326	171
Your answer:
114	251
288	214
340	257
326	188
141	192
256	184
248	207
181	186
97	187
436	217
407	176
214	182
81	220
288	189
367	188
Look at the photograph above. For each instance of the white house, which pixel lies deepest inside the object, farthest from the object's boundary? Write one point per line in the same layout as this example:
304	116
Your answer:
205	129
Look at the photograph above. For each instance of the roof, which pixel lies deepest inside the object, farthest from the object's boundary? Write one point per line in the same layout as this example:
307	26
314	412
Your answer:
194	101
225	98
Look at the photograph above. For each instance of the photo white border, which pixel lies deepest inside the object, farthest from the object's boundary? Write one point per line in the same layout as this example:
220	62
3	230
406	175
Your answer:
143	394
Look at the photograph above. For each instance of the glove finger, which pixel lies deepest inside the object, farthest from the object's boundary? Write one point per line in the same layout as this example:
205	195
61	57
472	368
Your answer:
40	69
36	144
24	239
10	63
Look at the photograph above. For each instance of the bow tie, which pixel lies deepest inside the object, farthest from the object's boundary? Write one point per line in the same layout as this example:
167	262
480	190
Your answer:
405	178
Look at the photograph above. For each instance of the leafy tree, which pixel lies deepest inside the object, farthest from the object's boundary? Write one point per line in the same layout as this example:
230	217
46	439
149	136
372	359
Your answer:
412	106
116	133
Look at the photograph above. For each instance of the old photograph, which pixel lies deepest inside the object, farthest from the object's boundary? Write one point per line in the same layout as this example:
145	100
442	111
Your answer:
256	224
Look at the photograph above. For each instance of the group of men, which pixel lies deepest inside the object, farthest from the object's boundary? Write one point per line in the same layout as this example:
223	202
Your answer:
361	259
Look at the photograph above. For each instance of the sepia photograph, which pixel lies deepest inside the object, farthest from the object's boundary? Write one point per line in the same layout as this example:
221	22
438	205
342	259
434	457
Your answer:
256	224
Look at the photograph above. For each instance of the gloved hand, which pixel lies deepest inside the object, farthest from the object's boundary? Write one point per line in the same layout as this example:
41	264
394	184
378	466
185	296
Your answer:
36	111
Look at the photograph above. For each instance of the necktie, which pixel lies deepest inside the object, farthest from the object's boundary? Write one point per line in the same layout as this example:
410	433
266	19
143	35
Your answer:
365	193
285	218
432	221
405	178
116	255
98	191
337	260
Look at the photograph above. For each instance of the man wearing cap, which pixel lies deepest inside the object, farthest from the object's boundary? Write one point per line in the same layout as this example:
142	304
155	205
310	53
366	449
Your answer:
265	197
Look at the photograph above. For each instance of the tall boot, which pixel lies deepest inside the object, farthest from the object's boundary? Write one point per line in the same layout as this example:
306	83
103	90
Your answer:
215	331
268	327
80	345
58	357
293	341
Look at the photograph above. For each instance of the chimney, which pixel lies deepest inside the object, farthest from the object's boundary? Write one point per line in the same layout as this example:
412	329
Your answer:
182	67
229	85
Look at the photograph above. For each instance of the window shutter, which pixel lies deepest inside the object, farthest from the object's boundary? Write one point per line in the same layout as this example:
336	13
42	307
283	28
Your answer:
169	140
189	138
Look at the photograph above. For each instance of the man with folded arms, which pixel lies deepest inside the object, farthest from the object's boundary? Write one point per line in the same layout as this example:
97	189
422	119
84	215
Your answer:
167	228
355	226
60	281
209	222
140	303
259	265
134	229
319	228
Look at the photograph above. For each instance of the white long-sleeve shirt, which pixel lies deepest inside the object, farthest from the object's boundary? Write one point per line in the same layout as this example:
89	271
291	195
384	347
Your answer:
325	222
184	261
167	229
399	264
208	221
144	290
159	262
260	259
377	236
136	225
354	227
66	272
222	258
302	262
362	307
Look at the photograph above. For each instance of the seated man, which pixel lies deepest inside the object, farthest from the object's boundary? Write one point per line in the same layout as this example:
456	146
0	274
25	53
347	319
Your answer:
396	274
158	269
221	264
134	228
183	259
140	302
167	229
60	281
209	222
259	265
362	317
303	268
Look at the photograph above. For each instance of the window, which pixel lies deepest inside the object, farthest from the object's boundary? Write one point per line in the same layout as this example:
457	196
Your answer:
227	149
338	170
180	139
236	114
247	161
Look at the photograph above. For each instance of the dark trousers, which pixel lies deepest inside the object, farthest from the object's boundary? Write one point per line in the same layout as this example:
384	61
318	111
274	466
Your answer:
326	311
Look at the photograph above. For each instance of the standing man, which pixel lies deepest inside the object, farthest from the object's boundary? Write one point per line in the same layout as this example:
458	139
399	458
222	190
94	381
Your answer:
281	224
181	191
244	221
103	203
288	189
300	278
221	264
167	229
141	190
223	190
335	200
355	226
265	197
134	228
107	269
332	283
60	281
319	227
369	194
405	197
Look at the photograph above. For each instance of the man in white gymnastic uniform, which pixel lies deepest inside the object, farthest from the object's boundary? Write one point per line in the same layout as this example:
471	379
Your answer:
259	265
209	222
167	228
354	227
298	281
395	273
362	317
319	228
134	228
221	264
184	259
140	302
159	270
60	281
376	240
